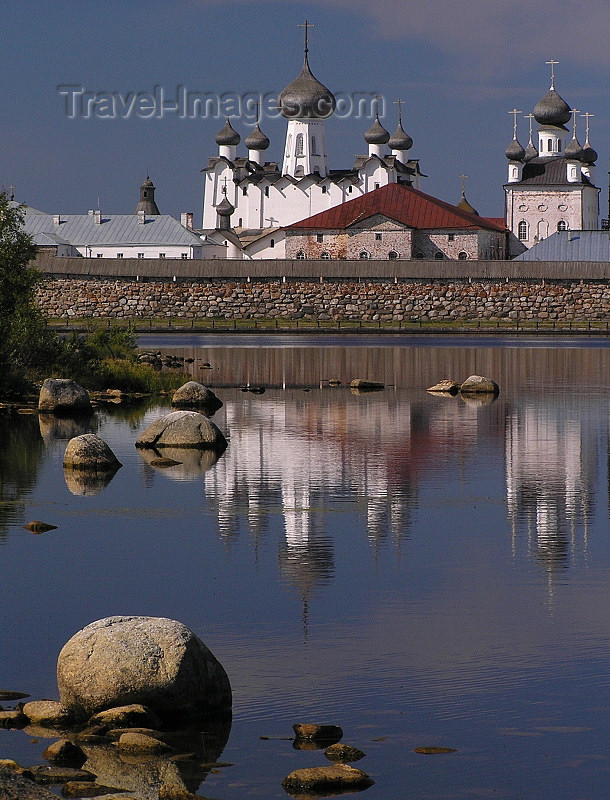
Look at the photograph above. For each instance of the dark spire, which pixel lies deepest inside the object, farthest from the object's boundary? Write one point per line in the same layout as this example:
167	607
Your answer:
147	199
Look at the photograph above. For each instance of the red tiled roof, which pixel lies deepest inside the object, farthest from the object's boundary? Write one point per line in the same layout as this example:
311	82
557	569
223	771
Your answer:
402	204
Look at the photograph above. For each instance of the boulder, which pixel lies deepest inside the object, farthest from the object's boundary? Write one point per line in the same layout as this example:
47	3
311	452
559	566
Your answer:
182	429
14	786
132	716
47	714
336	777
367	386
135	742
157	662
90	453
63	396
446	385
64	753
477	383
343	753
308	730
195	395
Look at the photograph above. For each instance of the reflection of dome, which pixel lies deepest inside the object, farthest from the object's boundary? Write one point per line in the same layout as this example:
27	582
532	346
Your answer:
228	135
306	97
377	134
552	109
515	151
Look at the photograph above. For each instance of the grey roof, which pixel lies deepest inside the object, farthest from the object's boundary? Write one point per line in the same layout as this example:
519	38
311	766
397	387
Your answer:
81	229
549	171
227	135
552	109
306	97
377	134
515	151
26	208
400	140
570	246
257	140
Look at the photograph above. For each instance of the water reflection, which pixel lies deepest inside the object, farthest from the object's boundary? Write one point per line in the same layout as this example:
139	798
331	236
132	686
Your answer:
21	453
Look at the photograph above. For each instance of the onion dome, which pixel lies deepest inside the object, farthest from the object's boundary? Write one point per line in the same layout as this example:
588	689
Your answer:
225	208
515	151
228	136
589	155
399	139
531	151
377	134
147	202
552	110
464	205
574	150
257	140
306	97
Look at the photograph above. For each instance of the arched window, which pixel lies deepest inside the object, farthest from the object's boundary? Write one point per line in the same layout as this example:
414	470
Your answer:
419	254
266	191
299	172
522	231
289	144
272	243
438	256
298	149
325	255
462	255
364	255
550	145
313	146
324	189
392	255
562	225
301	255
559	145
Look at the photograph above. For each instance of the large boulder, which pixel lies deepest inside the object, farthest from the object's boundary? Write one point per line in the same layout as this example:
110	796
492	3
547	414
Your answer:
157	662
195	395
478	384
183	429
63	396
90	453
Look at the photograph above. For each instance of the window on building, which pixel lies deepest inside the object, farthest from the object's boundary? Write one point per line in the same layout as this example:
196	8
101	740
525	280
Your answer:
298	147
319	237
161	255
325	255
522	231
272	243
550	145
364	255
451	237
350	189
184	255
559	145
324	189
99	255
140	255
240	222
119	255
419	254
562	225
462	255
244	190
299	172
377	186
266	191
301	255
392	255
438	256
377	237
313	146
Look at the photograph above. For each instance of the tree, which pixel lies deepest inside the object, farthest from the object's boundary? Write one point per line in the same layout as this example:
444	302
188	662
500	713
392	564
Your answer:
25	342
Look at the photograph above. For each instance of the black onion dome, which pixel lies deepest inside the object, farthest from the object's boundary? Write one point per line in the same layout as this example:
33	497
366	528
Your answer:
552	110
574	150
400	140
306	98
228	135
257	140
515	151
531	151
377	134
589	155
225	208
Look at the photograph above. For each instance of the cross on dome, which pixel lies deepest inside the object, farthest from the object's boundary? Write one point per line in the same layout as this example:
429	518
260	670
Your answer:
552	62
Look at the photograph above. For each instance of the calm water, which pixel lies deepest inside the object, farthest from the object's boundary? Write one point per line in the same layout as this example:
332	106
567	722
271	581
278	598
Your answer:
419	570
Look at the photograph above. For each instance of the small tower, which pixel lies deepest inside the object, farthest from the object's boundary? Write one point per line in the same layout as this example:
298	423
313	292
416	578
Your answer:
589	155
227	140
464	205
515	153
377	138
400	142
306	103
224	210
147	199
551	113
574	154
257	143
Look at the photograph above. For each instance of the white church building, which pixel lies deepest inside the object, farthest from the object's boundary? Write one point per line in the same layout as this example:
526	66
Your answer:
550	186
257	195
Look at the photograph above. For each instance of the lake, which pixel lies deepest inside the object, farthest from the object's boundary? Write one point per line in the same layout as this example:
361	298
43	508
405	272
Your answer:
423	571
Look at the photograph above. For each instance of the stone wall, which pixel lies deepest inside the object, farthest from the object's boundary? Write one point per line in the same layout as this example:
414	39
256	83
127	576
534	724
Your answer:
366	300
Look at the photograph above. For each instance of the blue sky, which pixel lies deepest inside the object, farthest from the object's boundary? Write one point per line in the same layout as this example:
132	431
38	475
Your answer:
459	68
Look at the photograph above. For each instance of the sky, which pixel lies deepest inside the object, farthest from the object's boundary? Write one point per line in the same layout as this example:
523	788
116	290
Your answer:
82	125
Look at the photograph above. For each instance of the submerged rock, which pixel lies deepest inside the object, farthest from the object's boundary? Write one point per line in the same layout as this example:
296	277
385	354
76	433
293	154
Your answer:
446	385
183	429
157	662
195	395
15	786
63	396
343	753
367	386
478	383
327	779
37	526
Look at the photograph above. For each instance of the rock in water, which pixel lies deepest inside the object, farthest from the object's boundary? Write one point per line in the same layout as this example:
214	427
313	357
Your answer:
183	429
63	396
89	452
446	385
477	383
154	661
195	395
